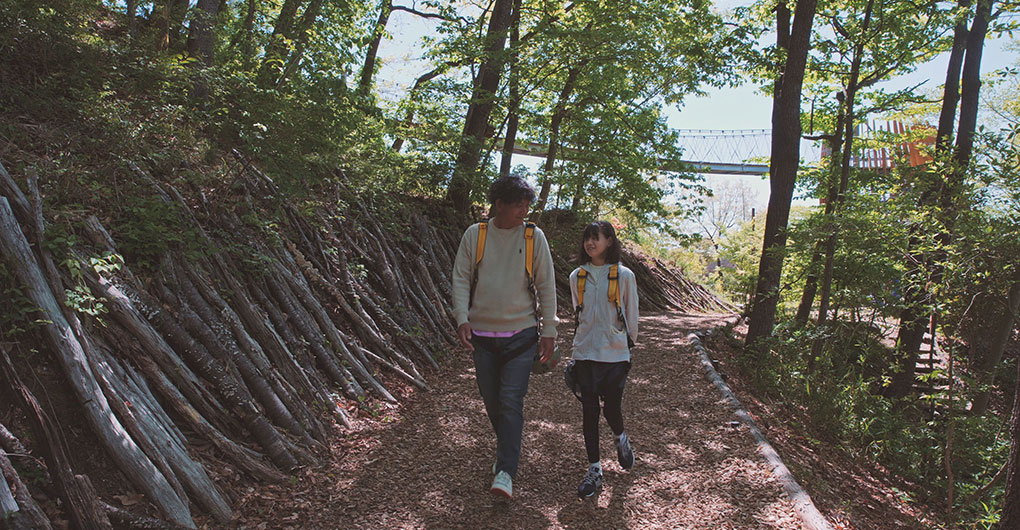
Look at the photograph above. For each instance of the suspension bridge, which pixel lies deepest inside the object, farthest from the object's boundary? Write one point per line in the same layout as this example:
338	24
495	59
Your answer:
707	151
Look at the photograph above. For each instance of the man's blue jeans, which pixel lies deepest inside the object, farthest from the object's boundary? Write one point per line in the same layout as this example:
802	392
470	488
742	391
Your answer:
502	369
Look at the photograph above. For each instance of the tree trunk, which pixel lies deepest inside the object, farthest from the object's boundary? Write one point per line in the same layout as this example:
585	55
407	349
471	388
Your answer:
132	13
786	131
951	90
245	34
1010	517
559	113
21	510
202	31
72	358
483	96
276	50
171	20
514	108
832	194
844	179
913	317
300	41
368	68
1000	338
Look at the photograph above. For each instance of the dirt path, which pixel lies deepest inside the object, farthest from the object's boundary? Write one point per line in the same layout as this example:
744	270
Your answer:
427	464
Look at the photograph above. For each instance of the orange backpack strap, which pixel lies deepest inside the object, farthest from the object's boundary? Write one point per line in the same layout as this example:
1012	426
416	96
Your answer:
582	276
529	250
614	285
480	246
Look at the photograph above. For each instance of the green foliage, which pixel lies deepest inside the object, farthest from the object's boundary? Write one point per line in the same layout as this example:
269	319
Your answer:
146	227
18	314
839	396
80	297
742	248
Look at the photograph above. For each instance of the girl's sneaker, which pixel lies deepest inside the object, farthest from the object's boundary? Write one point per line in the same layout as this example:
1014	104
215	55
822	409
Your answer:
623	452
592	482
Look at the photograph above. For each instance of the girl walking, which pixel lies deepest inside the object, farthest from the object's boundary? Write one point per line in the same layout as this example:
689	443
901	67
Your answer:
605	297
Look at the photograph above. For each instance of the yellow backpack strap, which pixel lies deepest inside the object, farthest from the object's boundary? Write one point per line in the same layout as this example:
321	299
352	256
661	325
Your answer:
614	285
582	275
480	247
529	250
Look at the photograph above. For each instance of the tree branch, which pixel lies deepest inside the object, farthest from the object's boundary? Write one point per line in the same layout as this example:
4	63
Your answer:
422	14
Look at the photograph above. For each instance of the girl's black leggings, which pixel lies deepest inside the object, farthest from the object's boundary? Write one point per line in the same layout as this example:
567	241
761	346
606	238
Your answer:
601	382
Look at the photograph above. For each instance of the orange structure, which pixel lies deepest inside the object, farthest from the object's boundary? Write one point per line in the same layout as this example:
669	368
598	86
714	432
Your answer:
882	159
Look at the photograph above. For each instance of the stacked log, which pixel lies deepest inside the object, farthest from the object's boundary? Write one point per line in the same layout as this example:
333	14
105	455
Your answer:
262	347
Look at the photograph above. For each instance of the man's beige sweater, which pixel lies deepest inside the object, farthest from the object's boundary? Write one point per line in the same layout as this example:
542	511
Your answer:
502	300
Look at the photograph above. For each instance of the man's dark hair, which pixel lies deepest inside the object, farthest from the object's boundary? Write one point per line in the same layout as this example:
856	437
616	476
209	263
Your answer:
511	190
593	230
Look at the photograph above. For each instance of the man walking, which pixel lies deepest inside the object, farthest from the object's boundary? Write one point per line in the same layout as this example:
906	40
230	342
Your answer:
504	300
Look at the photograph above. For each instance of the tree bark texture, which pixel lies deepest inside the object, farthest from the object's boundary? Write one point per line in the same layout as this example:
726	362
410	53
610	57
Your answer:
1009	519
786	130
483	96
72	358
1005	323
368	68
202	31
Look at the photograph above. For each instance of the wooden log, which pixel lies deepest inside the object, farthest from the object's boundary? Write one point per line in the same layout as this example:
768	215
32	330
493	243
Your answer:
286	370
362	329
234	394
151	420
80	500
128	408
305	326
246	459
72	358
223	346
280	326
18	202
153	345
319	316
11	446
27	514
395	329
394	368
132	521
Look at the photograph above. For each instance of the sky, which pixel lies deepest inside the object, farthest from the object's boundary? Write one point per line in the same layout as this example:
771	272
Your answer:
738	108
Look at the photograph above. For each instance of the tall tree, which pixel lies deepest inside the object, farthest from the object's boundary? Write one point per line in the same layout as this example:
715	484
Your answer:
202	31
944	195
514	108
795	40
483	95
170	18
559	112
273	60
368	68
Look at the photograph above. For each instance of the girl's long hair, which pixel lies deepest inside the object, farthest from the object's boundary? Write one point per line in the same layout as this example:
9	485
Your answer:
607	230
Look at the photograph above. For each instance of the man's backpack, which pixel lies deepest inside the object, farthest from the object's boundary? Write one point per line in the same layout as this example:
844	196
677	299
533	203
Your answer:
614	296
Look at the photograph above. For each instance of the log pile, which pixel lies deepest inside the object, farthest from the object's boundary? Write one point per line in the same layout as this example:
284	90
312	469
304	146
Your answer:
259	349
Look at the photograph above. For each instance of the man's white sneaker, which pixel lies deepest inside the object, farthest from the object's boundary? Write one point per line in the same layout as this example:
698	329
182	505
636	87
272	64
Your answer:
502	485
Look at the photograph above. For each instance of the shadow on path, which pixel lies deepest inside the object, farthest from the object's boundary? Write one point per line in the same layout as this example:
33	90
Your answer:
430	467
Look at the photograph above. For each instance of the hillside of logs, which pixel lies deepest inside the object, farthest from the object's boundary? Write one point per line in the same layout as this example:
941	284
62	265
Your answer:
214	370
